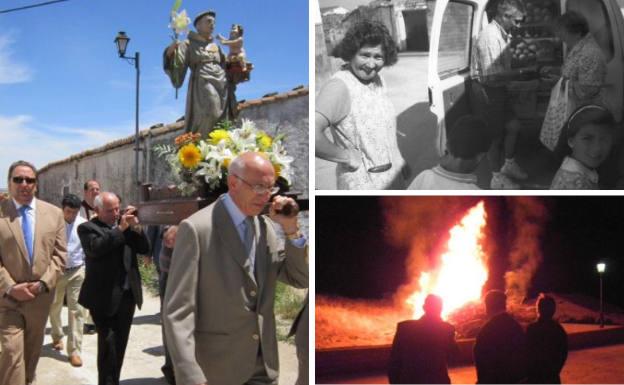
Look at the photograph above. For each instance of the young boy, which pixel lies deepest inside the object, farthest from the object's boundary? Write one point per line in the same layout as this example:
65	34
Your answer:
467	142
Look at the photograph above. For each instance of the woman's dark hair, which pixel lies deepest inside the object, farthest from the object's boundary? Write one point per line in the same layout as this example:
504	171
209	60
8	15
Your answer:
589	114
573	22
366	32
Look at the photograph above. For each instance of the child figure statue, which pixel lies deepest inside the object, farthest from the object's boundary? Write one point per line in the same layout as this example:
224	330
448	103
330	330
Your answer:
236	53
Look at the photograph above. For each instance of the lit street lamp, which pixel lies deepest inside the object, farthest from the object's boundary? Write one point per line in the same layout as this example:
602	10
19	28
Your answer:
122	43
601	269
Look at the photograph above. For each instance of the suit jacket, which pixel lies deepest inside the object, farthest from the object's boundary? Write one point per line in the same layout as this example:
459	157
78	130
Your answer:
216	314
420	352
500	351
110	257
49	249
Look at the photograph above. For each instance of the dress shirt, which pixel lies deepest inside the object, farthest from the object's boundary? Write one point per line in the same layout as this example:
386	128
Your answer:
31	215
75	254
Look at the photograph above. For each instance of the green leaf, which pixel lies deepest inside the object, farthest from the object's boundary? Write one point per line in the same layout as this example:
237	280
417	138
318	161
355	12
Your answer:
176	5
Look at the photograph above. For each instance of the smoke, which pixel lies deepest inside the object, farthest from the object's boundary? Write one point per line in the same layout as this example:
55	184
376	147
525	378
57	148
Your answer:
529	216
422	225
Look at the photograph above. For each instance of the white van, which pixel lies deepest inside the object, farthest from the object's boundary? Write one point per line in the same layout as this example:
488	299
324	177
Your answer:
457	23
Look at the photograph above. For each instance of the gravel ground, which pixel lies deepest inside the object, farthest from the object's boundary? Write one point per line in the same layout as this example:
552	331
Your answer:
144	355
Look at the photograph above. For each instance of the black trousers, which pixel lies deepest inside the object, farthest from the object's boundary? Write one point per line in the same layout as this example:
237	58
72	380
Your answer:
113	332
162	287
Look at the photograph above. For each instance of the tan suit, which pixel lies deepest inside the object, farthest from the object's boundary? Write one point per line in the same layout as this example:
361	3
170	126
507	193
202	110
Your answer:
22	324
216	316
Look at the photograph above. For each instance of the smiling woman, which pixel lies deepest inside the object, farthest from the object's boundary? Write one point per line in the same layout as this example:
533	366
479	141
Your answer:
354	108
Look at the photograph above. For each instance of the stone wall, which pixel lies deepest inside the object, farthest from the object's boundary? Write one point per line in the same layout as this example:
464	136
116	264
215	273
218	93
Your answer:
113	164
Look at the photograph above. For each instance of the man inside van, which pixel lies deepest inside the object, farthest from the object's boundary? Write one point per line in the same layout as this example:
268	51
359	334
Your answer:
491	70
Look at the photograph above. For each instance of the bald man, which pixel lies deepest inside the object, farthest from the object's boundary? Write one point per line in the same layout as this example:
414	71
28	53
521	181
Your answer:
112	286
218	310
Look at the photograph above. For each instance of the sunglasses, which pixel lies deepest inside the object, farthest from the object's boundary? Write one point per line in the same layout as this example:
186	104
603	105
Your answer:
20	180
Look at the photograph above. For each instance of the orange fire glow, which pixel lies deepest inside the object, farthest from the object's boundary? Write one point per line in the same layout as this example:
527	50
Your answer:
462	272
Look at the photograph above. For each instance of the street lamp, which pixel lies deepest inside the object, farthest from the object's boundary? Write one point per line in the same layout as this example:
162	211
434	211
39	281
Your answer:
601	269
121	40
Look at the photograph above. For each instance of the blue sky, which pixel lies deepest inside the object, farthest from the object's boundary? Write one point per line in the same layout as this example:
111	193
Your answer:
63	89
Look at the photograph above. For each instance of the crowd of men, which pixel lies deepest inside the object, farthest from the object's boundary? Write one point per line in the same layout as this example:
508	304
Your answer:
503	352
222	264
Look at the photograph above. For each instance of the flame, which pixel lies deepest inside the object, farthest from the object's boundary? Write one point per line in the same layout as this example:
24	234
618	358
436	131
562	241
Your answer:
462	271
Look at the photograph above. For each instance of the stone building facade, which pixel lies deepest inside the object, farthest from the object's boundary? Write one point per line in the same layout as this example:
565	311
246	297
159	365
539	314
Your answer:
113	164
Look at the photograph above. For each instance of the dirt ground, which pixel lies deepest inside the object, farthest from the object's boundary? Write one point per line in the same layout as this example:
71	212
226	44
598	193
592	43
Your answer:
603	365
144	355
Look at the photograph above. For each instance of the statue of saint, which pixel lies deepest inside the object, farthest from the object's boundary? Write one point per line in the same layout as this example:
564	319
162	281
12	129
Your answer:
207	98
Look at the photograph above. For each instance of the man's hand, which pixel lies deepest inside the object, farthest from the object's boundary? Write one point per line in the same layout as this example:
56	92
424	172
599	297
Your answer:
169	237
21	292
288	223
35	288
128	219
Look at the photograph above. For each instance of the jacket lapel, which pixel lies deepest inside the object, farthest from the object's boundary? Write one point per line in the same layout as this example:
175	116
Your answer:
261	250
229	235
10	213
40	218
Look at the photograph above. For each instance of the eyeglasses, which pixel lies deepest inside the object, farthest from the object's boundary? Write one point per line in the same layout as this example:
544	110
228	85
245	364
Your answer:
259	188
21	179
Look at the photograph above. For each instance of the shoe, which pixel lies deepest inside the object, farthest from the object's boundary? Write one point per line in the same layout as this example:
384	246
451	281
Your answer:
75	360
57	345
501	181
169	376
89	329
511	169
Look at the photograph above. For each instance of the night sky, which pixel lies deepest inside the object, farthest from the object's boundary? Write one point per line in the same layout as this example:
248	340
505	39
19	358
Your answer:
356	256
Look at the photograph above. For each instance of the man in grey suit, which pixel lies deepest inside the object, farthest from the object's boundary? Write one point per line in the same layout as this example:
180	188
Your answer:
218	310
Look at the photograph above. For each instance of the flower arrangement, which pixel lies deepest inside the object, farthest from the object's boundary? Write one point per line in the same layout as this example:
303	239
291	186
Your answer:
197	161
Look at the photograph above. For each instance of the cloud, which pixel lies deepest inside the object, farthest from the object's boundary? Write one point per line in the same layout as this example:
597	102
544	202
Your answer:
24	138
11	71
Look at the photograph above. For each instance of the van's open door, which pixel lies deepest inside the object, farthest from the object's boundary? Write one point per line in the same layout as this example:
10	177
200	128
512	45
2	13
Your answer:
607	27
455	25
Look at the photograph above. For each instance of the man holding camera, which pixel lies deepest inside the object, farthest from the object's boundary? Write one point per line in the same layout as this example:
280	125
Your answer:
112	285
218	310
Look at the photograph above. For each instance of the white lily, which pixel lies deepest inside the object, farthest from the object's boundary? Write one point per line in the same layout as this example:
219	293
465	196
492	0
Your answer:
180	22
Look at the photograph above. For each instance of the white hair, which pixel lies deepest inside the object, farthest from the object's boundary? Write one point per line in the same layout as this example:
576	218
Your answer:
99	200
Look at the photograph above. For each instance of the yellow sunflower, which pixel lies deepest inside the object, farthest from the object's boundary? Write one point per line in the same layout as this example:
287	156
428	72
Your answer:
277	168
217	136
265	141
189	156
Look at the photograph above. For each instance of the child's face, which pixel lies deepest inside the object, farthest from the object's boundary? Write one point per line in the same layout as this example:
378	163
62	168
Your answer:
591	144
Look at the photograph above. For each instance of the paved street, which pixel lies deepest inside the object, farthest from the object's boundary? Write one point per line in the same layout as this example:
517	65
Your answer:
406	82
603	365
143	360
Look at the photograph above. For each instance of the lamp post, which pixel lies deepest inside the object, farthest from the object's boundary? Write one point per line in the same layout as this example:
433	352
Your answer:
121	40
601	269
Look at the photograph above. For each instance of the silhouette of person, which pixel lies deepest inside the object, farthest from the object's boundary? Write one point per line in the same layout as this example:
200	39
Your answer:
547	345
500	347
421	348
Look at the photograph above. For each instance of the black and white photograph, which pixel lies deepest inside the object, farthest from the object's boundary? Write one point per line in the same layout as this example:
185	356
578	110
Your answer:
465	95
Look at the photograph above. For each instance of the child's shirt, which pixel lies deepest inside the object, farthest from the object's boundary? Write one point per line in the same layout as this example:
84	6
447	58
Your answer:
439	178
573	175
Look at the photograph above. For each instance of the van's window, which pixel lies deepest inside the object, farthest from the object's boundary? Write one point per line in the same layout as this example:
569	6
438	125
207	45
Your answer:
598	20
454	50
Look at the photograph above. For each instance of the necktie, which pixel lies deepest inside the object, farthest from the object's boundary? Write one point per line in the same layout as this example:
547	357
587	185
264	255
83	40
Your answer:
248	234
27	230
